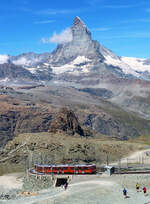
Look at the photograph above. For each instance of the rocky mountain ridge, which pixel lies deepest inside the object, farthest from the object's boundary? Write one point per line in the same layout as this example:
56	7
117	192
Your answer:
42	110
106	97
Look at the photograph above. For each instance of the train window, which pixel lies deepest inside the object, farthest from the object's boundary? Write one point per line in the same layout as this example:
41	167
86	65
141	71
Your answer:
55	168
80	168
72	168
65	168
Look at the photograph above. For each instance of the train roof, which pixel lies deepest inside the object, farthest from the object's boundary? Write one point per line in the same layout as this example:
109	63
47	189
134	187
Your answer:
65	165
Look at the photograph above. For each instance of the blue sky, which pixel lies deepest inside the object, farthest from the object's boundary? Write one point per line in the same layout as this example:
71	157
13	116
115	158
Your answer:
120	25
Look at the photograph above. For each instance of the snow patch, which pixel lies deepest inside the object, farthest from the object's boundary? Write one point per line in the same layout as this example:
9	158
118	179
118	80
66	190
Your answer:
46	64
137	64
4	80
126	68
32	70
74	67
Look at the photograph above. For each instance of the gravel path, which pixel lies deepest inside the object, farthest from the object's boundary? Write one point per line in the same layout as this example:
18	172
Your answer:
103	190
10	181
93	190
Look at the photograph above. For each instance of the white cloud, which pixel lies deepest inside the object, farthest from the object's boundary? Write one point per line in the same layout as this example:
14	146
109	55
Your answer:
64	37
44	22
21	61
44	40
138	20
4	59
56	12
130	35
95	2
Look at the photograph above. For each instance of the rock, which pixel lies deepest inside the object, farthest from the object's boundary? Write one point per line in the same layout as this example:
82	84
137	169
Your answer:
11	71
103	93
20	118
66	121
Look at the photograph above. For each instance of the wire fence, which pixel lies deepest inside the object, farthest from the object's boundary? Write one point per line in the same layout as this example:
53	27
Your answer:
140	162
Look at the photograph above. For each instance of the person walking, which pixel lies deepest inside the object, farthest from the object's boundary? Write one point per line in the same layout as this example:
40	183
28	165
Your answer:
144	190
66	185
137	187
125	192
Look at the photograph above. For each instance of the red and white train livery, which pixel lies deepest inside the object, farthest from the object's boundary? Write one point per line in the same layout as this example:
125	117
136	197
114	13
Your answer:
65	169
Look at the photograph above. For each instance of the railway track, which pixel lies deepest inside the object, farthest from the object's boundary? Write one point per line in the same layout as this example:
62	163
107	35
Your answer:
133	172
33	172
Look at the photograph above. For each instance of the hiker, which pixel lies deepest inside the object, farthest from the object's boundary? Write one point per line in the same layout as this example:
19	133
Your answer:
66	185
144	190
125	193
137	187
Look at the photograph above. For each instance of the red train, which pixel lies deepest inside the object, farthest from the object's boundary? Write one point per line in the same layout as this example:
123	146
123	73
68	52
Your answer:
65	169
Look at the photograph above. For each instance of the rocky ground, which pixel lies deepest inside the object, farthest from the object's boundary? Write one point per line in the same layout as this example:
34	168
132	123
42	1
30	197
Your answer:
92	189
33	110
80	133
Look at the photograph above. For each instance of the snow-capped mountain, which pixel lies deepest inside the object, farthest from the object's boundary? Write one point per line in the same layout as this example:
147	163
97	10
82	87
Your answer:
80	45
13	74
29	59
26	68
83	55
130	65
80	55
139	65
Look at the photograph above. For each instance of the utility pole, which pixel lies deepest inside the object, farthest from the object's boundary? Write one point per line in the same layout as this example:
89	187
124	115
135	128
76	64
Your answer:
142	161
107	160
118	163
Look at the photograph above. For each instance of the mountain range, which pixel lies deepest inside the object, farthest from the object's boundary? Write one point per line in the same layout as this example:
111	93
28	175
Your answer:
110	94
74	104
78	57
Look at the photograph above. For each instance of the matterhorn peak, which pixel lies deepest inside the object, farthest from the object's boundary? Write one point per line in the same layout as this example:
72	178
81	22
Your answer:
78	22
80	47
80	30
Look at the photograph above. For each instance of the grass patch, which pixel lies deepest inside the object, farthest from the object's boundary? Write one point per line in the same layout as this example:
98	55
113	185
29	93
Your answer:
144	139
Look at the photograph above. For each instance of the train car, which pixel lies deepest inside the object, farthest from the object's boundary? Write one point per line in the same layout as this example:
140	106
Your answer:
65	169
